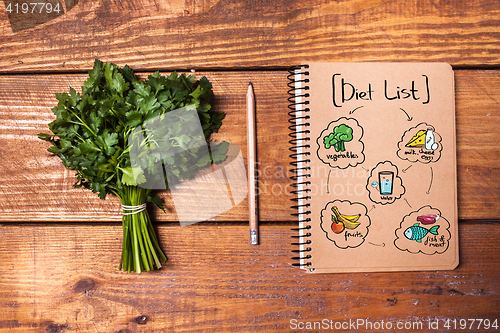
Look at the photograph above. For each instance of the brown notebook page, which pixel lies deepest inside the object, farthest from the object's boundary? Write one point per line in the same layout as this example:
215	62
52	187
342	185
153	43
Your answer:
383	167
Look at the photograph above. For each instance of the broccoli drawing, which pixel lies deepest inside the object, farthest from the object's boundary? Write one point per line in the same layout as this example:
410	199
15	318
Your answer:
341	134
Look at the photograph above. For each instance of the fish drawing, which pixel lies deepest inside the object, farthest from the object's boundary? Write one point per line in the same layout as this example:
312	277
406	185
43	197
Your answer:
415	232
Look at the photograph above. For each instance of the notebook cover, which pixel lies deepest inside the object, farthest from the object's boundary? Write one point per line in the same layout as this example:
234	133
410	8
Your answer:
382	167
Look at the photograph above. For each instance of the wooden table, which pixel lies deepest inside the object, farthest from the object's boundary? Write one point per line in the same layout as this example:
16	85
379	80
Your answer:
60	246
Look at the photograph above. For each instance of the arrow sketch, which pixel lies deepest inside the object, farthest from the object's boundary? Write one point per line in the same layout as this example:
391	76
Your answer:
404	170
406	113
383	244
408	203
430	185
359	107
328	183
373	207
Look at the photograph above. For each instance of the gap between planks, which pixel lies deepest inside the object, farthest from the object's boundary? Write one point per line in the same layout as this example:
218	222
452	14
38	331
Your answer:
479	67
203	223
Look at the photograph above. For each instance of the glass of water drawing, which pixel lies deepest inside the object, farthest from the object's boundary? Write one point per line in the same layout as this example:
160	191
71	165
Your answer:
385	180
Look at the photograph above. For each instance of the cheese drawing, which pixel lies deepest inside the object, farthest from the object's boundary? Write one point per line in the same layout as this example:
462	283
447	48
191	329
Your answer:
418	140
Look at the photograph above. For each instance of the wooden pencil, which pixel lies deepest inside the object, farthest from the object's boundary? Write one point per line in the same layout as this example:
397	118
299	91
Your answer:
251	158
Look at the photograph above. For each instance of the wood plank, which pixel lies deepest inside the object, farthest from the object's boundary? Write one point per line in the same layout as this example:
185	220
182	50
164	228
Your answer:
35	186
219	34
477	123
65	277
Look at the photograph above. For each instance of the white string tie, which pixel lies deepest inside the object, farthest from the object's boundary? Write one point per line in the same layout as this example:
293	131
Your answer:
133	209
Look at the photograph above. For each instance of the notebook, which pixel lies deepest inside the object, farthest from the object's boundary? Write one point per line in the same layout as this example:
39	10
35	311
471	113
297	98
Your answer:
374	165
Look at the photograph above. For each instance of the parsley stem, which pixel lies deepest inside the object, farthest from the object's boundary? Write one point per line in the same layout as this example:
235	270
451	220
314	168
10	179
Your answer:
81	122
112	111
140	247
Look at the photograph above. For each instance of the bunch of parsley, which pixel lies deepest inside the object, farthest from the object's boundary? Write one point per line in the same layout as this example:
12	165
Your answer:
91	135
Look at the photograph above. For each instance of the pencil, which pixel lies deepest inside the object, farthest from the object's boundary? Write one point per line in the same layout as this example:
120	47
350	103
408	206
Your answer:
251	158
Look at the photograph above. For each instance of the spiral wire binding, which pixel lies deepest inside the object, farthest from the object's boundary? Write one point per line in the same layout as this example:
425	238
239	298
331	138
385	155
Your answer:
299	155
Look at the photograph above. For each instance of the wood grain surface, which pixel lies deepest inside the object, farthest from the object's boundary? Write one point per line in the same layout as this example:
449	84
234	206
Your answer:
36	187
215	281
60	247
224	34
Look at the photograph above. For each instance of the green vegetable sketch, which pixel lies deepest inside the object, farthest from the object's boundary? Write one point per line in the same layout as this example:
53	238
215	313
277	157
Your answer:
341	133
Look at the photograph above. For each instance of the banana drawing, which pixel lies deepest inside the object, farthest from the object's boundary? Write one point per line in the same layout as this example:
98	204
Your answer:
349	221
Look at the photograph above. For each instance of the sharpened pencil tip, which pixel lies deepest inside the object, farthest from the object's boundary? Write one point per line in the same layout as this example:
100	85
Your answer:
250	89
